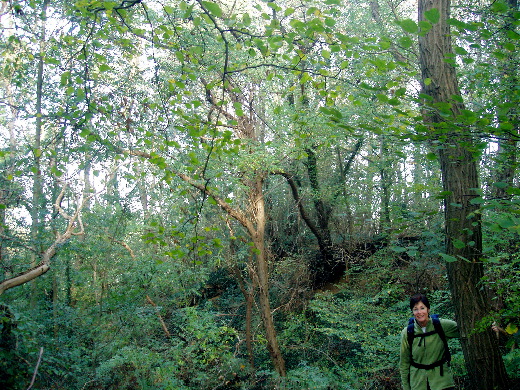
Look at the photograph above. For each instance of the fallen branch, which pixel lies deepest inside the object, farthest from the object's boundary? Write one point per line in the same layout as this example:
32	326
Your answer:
36	368
163	324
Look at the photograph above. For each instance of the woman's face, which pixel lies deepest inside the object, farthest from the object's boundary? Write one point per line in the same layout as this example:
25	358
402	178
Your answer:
421	313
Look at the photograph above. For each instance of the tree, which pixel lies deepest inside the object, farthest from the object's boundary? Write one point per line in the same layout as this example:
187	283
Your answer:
507	104
31	41
444	114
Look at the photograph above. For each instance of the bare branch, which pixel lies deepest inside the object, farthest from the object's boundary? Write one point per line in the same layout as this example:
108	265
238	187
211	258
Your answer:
36	369
74	228
161	320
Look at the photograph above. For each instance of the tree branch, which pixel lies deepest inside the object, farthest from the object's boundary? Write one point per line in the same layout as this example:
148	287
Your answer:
299	203
36	369
125	4
235	213
161	320
74	228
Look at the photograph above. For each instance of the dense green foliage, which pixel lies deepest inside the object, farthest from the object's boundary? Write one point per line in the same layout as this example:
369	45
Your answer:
156	120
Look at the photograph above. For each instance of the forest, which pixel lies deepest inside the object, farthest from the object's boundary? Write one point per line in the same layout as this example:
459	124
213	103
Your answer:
244	194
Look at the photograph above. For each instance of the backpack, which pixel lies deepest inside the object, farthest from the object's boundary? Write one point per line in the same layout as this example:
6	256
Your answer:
446	356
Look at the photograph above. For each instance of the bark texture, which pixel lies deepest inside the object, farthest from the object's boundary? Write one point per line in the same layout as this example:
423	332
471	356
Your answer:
456	147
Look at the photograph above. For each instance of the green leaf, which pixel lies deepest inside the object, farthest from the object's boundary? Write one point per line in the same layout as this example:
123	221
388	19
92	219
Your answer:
246	19
289	11
460	50
425	96
65	77
325	54
511	329
179	55
507	222
385	44
400	92
213	8
459	244
425	26
448	258
499	7
466	113
330	22
55	171
433	15
444	194
382	98
477	200
405	42
409	26
509	46
506	126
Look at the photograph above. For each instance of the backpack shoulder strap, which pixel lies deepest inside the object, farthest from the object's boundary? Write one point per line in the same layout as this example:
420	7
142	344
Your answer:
446	357
410	331
440	331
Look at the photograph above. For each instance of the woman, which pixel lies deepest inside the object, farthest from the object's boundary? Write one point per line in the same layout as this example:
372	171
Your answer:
426	365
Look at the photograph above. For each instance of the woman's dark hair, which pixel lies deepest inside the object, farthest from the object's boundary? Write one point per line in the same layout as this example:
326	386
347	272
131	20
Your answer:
415	299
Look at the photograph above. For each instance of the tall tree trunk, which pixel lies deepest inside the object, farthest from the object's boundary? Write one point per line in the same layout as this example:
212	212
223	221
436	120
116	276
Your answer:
460	183
384	172
507	153
322	207
253	219
248	293
37	209
262	273
345	165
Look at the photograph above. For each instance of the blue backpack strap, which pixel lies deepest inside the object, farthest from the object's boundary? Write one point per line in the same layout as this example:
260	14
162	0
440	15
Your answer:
410	332
411	323
440	331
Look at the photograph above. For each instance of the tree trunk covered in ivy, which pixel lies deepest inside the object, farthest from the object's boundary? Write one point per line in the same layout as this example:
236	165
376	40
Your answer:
322	265
443	115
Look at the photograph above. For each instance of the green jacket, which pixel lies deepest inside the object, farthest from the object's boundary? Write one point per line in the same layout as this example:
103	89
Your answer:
430	351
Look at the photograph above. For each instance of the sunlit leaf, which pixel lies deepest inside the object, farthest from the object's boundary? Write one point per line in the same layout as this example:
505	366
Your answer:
511	329
432	15
405	42
213	8
409	26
